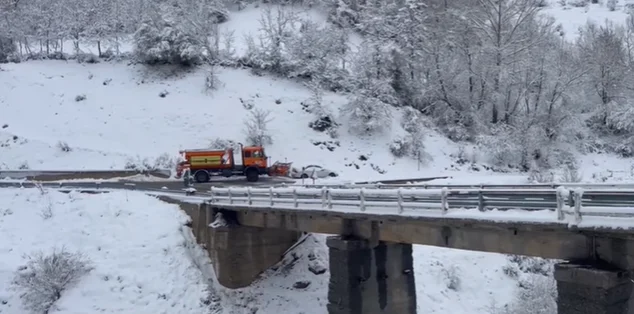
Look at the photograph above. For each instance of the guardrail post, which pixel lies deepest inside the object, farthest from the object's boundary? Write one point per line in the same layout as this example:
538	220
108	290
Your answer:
249	195
295	203
578	196
323	197
362	199
443	200
329	199
271	195
560	203
211	192
230	196
481	205
399	199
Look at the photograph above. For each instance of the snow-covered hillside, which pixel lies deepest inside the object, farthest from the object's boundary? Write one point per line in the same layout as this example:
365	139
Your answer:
123	116
143	257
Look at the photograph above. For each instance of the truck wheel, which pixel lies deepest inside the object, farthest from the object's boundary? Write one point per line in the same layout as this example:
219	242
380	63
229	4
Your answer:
201	176
252	175
304	176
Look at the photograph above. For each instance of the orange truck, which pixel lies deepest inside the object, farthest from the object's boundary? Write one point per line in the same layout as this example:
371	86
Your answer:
203	163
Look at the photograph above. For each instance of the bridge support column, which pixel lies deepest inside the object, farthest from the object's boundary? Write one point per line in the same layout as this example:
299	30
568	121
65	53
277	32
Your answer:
240	254
583	289
370	280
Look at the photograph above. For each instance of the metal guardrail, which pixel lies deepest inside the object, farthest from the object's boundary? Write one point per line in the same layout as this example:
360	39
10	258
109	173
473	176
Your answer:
466	186
576	203
88	185
53	175
603	200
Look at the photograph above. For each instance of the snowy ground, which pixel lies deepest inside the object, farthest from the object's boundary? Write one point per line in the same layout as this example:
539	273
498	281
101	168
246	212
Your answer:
141	251
572	17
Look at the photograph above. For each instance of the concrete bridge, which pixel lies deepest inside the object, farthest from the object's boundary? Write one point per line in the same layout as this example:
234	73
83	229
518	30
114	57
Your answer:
373	230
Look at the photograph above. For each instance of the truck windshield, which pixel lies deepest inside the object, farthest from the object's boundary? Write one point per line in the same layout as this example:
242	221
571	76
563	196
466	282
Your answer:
257	154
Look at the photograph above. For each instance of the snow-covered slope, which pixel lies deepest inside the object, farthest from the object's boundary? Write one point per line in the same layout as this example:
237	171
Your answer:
572	17
123	116
142	255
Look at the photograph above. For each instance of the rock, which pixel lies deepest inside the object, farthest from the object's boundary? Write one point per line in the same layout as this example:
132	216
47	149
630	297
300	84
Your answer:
303	284
316	268
312	256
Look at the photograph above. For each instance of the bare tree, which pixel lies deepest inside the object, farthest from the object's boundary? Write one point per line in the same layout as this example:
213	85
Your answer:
508	29
256	127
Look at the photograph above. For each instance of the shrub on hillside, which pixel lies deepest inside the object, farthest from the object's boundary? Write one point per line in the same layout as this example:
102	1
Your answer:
537	294
400	147
611	4
46	275
163	161
220	143
571	174
411	145
578	3
324	120
87	58
537	291
367	115
64	147
7	49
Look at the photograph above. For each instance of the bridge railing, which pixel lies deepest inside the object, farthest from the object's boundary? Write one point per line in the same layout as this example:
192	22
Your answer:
465	186
564	202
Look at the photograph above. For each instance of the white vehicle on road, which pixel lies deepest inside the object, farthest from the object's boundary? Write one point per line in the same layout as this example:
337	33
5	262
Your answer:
313	171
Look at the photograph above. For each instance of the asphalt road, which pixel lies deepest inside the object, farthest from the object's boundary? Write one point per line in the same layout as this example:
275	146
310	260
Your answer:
152	186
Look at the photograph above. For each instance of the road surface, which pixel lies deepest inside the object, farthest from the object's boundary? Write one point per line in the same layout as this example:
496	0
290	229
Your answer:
151	186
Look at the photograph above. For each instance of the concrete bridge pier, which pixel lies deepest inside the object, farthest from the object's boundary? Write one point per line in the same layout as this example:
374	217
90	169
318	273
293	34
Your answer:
239	254
584	289
370	279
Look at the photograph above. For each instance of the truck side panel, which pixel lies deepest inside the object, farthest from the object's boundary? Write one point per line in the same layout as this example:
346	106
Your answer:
211	161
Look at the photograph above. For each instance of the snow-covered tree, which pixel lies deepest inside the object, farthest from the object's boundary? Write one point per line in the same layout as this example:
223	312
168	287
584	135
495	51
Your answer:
162	38
367	113
267	50
318	53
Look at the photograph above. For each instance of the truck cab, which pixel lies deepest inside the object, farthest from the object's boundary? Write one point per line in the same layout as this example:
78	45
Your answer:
253	156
